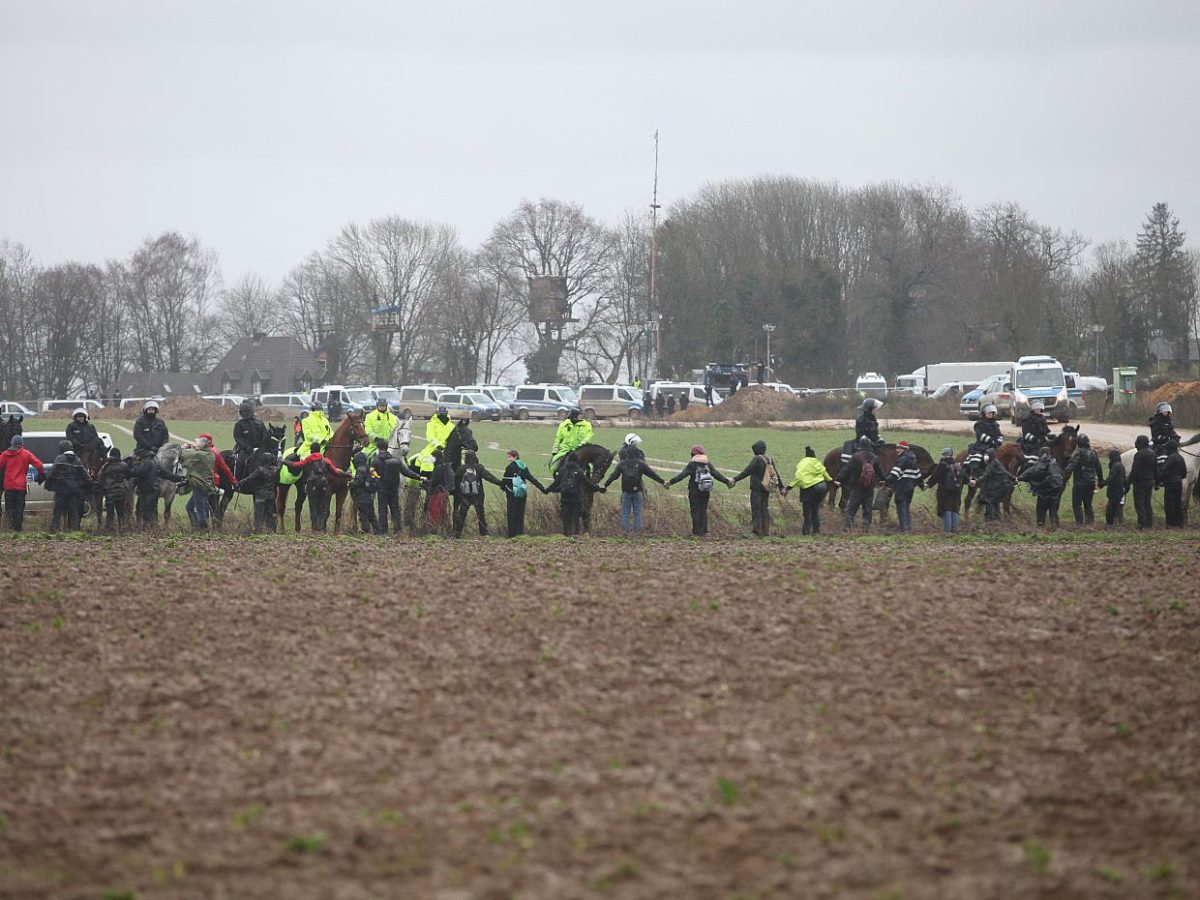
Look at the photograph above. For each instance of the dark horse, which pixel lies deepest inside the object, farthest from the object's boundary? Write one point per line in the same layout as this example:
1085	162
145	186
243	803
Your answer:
1012	457
461	438
886	456
274	444
595	461
350	436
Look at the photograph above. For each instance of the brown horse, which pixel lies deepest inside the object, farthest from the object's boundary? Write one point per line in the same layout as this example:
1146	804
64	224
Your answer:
93	458
350	435
1012	457
886	456
595	461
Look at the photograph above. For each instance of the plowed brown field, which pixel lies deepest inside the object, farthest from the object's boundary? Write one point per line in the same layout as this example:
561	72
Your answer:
867	718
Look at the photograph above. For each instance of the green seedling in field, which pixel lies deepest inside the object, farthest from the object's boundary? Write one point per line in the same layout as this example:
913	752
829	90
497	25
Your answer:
58	623
1111	875
1114	610
305	843
4	820
1160	872
625	870
831	834
248	816
1177	606
1124	730
728	791
1036	855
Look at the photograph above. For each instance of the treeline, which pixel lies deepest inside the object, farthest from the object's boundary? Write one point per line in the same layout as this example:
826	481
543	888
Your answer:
883	277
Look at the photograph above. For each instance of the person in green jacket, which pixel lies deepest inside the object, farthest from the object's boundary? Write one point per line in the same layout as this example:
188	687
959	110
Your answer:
572	433
812	479
314	428
378	424
198	462
438	431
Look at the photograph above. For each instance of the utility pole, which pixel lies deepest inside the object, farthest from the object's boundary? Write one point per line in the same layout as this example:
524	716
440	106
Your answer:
654	207
768	329
1096	329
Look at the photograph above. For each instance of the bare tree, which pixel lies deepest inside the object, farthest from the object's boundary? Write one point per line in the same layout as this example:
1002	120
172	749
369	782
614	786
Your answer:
248	307
18	276
316	301
477	324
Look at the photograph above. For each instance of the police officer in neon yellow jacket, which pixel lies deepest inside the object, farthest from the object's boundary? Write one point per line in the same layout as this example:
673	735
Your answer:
573	433
314	427
379	424
438	431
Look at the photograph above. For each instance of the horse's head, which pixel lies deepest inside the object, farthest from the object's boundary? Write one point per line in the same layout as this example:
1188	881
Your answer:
596	459
352	430
275	436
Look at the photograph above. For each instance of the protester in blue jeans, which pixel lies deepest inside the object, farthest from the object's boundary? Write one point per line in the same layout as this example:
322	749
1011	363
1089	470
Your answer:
631	470
198	461
904	478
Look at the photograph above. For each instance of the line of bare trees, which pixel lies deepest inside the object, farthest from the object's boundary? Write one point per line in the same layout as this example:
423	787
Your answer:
882	277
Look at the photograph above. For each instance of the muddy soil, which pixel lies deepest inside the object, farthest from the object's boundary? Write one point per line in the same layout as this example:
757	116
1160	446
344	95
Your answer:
311	718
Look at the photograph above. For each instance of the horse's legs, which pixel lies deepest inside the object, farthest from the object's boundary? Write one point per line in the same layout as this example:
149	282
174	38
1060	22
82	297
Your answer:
281	492
966	515
833	492
300	495
340	496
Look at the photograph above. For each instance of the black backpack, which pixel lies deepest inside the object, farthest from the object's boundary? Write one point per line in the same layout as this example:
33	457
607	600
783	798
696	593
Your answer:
470	483
952	480
317	480
631	474
703	478
569	485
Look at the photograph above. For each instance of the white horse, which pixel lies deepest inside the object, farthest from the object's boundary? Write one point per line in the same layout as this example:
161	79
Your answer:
1190	457
168	458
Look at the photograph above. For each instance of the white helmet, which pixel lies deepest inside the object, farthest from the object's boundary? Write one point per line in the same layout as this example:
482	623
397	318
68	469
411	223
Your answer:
150	405
631	439
872	403
1037	406
990	408
1163	409
79	412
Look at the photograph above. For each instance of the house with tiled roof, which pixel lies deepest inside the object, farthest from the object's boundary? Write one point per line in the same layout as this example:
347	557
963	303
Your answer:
267	364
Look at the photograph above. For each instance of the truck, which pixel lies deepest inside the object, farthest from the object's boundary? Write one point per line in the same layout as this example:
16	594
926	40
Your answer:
927	379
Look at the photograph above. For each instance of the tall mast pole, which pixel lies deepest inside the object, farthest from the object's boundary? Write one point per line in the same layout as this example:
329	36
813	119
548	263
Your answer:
655	317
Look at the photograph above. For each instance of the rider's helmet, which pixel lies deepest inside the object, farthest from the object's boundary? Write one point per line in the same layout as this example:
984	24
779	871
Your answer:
79	412
575	413
150	405
381	404
442	411
1083	441
632	439
864	443
1037	406
871	404
114	453
990	409
246	410
1163	409
947	453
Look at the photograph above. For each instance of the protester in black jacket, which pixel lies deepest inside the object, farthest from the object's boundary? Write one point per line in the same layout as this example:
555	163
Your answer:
859	478
262	482
69	481
631	470
392	470
1114	511
904	478
948	477
1143	480
700	474
1084	465
994	484
517	479
112	478
759	472
468	492
1174	473
570	481
1045	477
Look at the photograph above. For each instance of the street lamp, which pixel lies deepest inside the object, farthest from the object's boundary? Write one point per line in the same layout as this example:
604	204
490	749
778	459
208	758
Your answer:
768	329
1096	329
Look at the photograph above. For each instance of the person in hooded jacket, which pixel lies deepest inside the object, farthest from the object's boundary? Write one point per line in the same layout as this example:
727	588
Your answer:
82	435
70	481
1172	477
1143	481
249	436
631	470
318	471
1045	478
15	463
948	477
700	474
393	469
113	479
758	470
859	478
468	492
262	483
1084	465
570	481
150	431
364	487
994	484
904	478
812	478
439	488
1114	510
517	479
866	425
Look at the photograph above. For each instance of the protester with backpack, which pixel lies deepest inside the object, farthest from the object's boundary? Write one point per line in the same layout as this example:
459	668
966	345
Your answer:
439	489
812	479
69	481
570	481
1084	464
948	477
1045	479
904	478
318	474
364	488
468	492
700	474
859	477
631	470
1114	511
262	483
994	484
393	470
758	470
517	479
112	479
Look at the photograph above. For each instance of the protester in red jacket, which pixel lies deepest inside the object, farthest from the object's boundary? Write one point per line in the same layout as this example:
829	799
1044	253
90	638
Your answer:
14	466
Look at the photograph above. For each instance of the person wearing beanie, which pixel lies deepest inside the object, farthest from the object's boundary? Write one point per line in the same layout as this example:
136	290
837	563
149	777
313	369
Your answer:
468	492
700	474
1143	481
1084	464
1114	511
812	479
904	478
69	481
758	471
113	479
1174	473
364	487
15	463
948	477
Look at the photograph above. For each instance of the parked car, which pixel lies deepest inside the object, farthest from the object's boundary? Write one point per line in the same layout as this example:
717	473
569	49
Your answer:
352	398
477	406
421	400
607	401
969	405
10	408
499	394
225	399
68	405
871	384
288	402
385	392
44	445
138	401
953	387
998	390
544	401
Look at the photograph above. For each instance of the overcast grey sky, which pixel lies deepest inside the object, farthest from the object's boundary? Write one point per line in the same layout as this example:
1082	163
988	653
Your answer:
263	127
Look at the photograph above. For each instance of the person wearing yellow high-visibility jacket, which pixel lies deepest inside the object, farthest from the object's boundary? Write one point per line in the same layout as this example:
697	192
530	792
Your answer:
423	464
811	478
572	433
438	431
378	424
314	427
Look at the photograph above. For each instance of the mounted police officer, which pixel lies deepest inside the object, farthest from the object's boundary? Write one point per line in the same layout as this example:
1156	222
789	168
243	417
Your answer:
865	423
573	433
987	437
149	431
82	434
438	430
1162	431
249	436
1035	430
